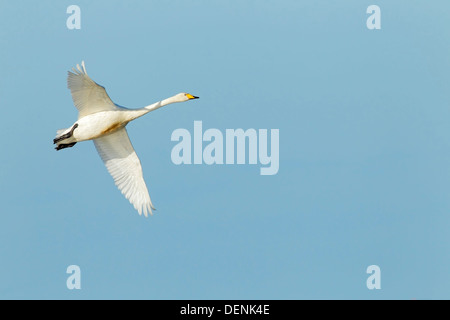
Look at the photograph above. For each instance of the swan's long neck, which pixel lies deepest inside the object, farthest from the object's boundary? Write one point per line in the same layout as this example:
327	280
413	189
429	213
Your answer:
161	103
140	112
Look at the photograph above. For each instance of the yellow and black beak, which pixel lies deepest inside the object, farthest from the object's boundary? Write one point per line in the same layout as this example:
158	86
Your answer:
190	96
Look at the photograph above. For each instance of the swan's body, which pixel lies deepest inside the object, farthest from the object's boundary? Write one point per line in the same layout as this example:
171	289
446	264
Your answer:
104	122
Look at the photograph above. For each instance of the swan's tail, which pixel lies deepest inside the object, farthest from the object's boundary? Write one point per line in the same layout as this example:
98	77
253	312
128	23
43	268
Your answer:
59	135
62	135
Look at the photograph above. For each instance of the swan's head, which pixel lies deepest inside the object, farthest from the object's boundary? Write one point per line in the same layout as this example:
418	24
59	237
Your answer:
181	97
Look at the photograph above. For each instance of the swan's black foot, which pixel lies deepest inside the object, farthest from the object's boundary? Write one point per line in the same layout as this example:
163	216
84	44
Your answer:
63	146
65	136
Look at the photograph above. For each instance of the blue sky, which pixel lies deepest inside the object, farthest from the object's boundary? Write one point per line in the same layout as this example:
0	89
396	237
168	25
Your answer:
364	175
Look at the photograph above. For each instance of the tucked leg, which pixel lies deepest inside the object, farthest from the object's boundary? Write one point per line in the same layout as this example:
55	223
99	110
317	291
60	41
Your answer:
63	146
65	136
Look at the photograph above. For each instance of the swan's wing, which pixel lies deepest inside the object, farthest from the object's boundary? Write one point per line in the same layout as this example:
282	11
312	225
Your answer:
123	164
88	96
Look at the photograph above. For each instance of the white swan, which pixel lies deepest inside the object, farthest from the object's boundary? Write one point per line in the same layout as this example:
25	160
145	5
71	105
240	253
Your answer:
103	121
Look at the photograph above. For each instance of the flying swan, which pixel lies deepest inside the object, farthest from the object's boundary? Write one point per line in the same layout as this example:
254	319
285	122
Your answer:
104	122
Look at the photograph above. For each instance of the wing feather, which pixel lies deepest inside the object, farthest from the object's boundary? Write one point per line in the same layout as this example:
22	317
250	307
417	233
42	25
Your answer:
88	96
123	164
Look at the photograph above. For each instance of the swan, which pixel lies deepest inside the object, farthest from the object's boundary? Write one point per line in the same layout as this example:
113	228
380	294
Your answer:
104	122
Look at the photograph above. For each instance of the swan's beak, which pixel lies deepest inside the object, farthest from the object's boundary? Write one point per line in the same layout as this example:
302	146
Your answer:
190	96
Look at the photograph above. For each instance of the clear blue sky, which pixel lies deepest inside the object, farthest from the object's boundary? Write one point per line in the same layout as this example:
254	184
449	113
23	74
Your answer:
364	172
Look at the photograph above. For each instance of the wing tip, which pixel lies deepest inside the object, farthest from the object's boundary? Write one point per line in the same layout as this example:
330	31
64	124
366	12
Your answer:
79	70
84	67
146	209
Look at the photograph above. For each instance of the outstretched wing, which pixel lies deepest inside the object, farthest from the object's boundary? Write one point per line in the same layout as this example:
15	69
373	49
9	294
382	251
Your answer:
88	96
124	166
